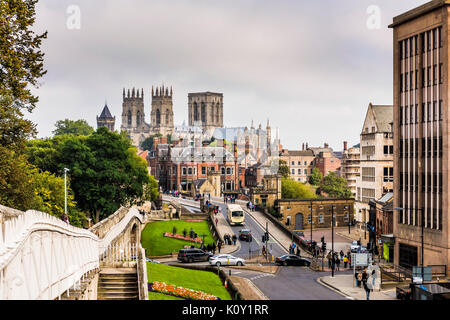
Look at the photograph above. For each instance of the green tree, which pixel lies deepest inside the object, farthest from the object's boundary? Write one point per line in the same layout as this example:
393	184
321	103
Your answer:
78	128
316	177
147	144
151	192
21	66
335	186
283	169
291	189
106	172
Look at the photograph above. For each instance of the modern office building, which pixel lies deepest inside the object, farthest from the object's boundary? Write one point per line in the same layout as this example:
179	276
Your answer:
421	135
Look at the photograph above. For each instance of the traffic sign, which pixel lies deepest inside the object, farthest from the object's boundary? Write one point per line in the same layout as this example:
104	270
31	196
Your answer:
361	259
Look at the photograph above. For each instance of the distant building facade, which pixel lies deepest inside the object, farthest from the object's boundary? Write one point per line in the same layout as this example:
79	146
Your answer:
376	158
300	163
298	214
350	167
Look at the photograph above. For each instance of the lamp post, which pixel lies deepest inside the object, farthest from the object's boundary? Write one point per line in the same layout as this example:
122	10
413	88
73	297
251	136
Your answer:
65	194
421	227
311	224
332	239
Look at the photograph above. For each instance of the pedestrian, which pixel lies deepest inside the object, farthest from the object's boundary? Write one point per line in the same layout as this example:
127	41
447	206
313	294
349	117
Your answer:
234	239
338	262
342	255
357	278
219	245
290	249
366	283
214	248
329	259
345	262
298	251
217	221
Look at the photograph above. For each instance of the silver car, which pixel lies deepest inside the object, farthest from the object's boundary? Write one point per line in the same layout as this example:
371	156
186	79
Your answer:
226	260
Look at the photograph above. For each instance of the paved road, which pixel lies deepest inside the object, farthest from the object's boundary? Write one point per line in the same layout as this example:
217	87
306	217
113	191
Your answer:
291	283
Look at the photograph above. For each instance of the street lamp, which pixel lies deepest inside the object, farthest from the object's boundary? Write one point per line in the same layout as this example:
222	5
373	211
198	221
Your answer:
332	238
421	227
65	193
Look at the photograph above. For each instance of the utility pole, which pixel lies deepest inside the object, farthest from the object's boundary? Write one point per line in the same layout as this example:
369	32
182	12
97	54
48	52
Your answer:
267	239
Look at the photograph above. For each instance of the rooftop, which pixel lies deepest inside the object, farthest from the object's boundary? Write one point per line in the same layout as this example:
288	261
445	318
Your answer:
418	11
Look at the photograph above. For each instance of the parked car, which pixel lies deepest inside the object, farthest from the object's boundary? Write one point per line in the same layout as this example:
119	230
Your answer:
354	246
246	235
292	260
193	255
300	233
226	260
152	261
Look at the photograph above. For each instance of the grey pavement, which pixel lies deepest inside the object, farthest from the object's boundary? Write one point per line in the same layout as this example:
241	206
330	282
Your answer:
345	284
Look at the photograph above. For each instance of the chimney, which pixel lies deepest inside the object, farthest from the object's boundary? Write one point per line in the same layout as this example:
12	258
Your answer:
307	146
303	147
345	145
325	145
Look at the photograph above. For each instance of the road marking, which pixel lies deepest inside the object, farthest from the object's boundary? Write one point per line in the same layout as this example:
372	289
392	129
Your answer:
261	276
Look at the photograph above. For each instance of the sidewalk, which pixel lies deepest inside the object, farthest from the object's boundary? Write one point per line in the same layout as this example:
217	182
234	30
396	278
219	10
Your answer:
355	234
346	285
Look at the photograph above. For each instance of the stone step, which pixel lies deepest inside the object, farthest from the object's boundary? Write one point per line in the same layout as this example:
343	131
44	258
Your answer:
117	288
117	293
118	283
135	297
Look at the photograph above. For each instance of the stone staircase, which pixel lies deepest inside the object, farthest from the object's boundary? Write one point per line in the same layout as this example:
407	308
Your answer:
118	284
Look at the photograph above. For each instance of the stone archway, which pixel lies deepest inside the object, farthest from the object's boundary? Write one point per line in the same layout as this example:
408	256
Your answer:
299	221
134	235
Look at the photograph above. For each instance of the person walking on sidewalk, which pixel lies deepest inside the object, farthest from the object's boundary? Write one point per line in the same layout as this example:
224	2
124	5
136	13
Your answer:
358	276
345	262
338	262
366	284
214	248
342	255
234	239
329	259
219	245
298	251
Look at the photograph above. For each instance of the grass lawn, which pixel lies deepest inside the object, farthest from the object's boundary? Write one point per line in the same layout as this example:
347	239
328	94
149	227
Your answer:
156	244
204	281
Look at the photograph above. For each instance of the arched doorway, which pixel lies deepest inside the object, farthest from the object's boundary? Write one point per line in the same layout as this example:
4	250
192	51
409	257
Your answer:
134	237
299	221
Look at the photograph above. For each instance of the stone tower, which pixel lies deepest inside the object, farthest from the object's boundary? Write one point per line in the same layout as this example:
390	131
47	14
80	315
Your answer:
106	119
206	110
162	111
133	116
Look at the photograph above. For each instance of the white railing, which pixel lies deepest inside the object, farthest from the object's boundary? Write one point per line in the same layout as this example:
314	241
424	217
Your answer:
118	228
119	253
41	256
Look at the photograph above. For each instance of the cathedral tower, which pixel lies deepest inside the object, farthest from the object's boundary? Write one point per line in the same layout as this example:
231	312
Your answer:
206	110
162	111
133	115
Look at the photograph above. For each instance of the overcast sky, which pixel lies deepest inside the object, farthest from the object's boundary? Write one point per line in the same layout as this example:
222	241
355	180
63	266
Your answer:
312	67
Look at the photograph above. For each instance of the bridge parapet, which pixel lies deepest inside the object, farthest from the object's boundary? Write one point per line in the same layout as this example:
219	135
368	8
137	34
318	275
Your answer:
41	256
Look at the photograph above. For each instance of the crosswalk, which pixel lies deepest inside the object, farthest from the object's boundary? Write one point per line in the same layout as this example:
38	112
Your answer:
264	275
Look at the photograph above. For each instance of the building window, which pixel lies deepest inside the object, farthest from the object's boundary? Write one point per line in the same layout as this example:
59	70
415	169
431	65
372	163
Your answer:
203	171
293	171
368	174
223	170
299	171
321	218
388	174
388	149
367	194
228	171
184	171
293	163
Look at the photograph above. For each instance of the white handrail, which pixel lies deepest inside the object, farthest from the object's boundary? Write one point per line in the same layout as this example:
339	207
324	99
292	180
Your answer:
41	256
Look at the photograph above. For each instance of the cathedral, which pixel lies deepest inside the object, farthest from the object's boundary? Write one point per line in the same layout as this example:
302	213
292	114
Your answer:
205	110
